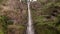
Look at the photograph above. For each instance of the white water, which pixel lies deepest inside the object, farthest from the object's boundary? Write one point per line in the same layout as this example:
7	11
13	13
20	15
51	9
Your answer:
30	29
20	0
32	0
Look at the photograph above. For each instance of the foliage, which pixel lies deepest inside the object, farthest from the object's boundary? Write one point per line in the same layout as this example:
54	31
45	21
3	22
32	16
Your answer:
4	22
39	19
45	29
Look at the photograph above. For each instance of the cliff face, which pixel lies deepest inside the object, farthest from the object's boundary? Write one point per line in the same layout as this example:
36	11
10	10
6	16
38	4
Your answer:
17	12
45	16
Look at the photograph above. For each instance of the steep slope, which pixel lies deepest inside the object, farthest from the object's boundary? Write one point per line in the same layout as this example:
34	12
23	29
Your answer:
17	12
46	16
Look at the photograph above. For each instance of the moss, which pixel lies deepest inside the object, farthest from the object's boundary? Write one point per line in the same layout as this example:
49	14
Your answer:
1	31
1	1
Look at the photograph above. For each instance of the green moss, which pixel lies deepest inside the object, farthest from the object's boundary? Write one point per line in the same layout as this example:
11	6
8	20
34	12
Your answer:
1	1
1	31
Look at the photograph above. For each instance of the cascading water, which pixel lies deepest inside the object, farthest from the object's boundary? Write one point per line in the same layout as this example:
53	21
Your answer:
30	29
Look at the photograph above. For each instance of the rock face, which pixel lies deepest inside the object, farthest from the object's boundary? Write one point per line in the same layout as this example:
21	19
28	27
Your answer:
17	12
44	15
47	15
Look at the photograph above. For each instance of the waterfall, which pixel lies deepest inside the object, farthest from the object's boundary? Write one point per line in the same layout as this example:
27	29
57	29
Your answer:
30	29
20	0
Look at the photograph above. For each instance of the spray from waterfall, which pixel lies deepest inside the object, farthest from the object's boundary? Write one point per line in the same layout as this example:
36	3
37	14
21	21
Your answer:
30	29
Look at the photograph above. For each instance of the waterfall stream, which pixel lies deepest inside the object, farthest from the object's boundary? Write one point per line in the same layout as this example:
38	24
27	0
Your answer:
30	29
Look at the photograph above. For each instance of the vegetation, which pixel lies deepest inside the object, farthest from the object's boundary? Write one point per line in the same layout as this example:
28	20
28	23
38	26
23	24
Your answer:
45	15
46	19
4	21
